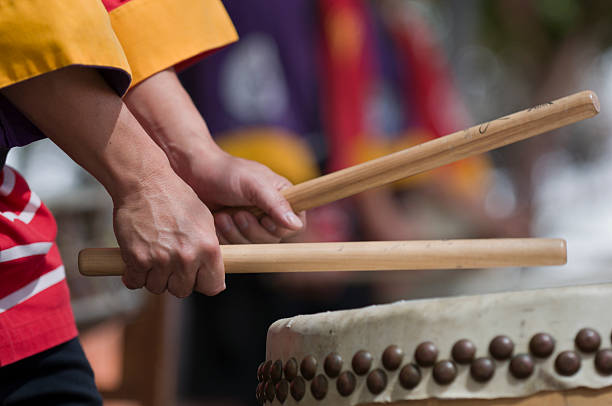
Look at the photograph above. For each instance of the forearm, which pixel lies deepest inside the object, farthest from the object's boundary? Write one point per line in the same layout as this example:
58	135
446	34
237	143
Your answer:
75	108
166	112
165	232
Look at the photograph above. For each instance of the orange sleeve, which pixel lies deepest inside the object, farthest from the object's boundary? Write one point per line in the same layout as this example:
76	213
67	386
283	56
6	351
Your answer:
158	34
40	36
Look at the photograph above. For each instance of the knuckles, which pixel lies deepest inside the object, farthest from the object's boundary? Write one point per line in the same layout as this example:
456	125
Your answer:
174	266
157	290
209	289
209	249
161	257
140	260
132	280
187	257
181	292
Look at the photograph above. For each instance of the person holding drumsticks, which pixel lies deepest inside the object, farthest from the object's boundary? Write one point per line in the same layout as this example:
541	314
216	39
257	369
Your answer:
64	66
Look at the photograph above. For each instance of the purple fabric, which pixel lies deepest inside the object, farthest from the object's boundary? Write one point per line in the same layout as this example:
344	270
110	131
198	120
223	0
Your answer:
16	130
273	66
279	49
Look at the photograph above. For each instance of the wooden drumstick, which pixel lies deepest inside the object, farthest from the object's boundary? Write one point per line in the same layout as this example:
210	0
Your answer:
362	256
441	151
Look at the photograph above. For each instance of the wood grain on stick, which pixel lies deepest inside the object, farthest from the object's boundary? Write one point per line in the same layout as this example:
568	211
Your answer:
362	256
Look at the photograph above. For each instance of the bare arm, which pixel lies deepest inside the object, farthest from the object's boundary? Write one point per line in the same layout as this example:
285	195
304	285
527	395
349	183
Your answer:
166	111
165	232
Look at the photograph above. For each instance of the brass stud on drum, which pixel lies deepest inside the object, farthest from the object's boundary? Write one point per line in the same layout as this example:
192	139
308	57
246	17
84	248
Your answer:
542	345
410	376
346	383
308	367
392	357
463	351
567	363
276	371
318	387
426	354
603	361
297	388
291	369
377	381
501	347
333	365
362	362
588	340
444	372
522	366
482	369
282	390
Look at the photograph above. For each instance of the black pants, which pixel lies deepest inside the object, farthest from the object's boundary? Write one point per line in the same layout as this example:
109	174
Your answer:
58	376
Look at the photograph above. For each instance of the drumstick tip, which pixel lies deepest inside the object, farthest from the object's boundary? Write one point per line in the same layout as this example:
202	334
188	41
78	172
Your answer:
563	242
594	100
80	260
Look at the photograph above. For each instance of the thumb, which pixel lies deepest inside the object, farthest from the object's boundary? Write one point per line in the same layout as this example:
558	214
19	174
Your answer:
274	204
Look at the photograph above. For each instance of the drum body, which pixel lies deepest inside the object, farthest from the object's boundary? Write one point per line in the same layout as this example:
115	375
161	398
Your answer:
538	347
573	397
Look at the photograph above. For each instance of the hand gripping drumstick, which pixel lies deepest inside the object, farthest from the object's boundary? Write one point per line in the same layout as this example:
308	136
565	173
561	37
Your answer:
432	154
362	256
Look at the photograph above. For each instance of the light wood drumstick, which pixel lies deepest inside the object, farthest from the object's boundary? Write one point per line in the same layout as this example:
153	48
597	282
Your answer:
441	151
362	256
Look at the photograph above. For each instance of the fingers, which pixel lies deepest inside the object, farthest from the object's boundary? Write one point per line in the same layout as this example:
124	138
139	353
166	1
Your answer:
228	229
210	278
181	281
271	201
159	270
137	268
134	279
162	267
243	227
157	279
221	238
252	230
279	231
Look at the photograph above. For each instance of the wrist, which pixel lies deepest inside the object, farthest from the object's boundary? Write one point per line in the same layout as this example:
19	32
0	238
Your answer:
194	155
166	112
129	160
137	178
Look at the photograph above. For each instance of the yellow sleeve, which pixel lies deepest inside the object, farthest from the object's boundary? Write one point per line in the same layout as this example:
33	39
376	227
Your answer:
40	36
158	34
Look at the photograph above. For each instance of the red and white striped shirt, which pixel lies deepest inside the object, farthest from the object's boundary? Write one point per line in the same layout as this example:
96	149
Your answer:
35	312
35	309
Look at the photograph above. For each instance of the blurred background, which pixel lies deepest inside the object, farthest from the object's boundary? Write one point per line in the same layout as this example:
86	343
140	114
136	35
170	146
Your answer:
317	85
